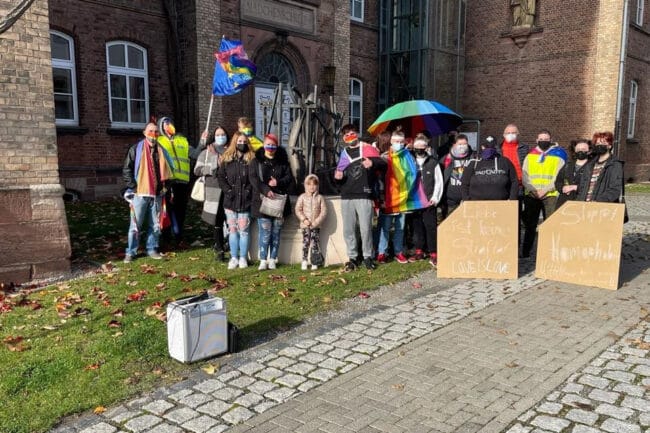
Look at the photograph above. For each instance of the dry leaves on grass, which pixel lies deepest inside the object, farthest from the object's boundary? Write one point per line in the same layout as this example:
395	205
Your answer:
638	343
99	410
148	269
137	296
14	343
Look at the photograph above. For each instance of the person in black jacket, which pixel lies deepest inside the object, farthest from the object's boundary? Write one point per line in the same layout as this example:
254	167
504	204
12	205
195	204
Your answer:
237	196
491	177
571	173
603	179
452	165
356	174
270	174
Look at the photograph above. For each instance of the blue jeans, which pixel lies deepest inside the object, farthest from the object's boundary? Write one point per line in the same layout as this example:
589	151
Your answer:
384	223
144	210
269	237
238	224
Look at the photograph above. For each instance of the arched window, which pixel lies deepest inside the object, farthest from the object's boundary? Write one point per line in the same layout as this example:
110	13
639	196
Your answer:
631	115
356	103
275	68
128	84
64	79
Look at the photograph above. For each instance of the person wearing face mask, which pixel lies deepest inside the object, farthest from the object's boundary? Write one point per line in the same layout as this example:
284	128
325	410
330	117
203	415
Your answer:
207	164
539	173
425	221
452	165
146	173
237	194
569	177
490	177
603	179
178	195
245	126
270	174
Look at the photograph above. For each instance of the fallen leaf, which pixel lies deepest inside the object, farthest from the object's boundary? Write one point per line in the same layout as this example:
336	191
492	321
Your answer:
118	313
363	295
193	258
148	269
114	324
118	334
48	328
417	285
108	267
211	369
343	280
99	410
160	286
398	386
162	316
186	278
137	296
512	364
503	331
284	293
131	283
92	367
327	299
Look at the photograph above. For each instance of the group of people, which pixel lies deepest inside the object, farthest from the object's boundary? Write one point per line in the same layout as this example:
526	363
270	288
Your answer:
393	192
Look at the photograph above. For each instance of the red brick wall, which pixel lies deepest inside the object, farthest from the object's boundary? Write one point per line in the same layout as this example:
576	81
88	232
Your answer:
364	63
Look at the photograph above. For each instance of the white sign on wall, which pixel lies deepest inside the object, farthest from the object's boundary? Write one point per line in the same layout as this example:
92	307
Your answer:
264	100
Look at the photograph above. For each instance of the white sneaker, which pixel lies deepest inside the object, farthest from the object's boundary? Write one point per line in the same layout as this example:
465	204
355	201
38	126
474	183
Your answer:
232	264
304	265
314	267
262	266
243	263
272	263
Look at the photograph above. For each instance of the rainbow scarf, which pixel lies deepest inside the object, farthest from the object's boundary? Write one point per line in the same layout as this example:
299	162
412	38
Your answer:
233	70
365	151
145	176
404	191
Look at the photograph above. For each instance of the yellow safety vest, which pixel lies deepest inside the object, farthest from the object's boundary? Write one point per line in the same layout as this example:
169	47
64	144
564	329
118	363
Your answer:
542	174
179	151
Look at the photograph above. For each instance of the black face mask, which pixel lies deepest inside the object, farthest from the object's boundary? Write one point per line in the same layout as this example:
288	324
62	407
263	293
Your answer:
600	149
544	145
242	147
421	152
582	155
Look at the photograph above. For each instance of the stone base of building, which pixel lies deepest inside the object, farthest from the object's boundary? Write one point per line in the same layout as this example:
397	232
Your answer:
34	237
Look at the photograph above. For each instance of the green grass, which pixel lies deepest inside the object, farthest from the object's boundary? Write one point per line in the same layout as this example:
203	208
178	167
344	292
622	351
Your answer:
85	344
638	187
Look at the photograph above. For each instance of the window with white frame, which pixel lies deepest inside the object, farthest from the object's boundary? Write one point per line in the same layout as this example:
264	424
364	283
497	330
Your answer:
638	19
64	78
356	10
631	115
356	103
128	84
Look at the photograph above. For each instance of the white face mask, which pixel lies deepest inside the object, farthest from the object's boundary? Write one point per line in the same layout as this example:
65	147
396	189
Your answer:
220	140
396	146
511	137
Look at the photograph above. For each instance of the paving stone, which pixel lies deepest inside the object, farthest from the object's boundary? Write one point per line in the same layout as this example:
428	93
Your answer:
181	415
395	336
526	415
616	365
249	400
165	428
332	364
313	358
218	428
582	416
374	332
635	352
209	386
326	338
596	382
261	387
337	332
226	377
200	424
606	396
550	408
579	428
351	336
416	332
346	368
549	423
237	415
518	428
263	407
339	353
636	403
354	327
269	374
620	376
622	413
281	362
643	370
574	388
214	408
358	358
306	386
227	394
142	423
306	344
290	380
347	343
195	400
101	427
302	368
572	399
158	407
280	395
250	368
593	370
292	352
365	348
644	419
616	426
267	358
322	374
242	382
321	348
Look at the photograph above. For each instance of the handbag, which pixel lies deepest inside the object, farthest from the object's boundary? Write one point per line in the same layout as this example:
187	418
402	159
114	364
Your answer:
198	190
316	258
273	207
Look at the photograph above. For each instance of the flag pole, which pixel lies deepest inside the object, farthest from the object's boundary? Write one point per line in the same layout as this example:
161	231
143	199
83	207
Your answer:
207	123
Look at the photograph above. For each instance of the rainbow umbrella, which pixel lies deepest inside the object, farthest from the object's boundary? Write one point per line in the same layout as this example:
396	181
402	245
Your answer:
415	116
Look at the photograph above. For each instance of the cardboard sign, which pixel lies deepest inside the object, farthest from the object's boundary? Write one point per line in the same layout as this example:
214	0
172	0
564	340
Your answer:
479	240
581	244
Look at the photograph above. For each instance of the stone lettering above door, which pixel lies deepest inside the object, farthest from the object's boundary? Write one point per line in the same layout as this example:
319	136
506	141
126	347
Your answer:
282	15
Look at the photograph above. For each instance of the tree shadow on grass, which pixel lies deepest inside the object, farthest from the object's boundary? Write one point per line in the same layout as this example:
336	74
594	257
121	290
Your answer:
264	330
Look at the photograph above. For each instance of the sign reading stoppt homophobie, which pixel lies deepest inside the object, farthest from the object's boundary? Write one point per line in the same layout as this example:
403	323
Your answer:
581	244
479	240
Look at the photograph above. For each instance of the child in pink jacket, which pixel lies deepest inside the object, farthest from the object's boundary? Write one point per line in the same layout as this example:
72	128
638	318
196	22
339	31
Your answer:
311	212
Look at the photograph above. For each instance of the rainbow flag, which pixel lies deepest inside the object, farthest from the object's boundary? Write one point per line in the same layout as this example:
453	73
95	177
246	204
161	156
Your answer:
366	151
233	71
403	187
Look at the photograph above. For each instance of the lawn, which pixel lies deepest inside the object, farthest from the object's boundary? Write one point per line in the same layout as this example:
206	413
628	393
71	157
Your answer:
88	343
643	188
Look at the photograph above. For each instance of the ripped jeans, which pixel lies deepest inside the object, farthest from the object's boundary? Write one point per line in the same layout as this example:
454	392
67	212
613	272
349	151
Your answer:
238	225
269	236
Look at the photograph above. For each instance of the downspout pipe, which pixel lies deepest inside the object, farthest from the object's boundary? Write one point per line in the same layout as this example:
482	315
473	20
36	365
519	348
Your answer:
621	79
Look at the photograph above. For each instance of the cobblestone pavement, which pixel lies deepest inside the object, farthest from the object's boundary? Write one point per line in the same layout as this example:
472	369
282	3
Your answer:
525	355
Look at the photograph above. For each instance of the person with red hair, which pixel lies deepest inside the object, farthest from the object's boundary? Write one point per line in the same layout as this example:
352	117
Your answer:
603	179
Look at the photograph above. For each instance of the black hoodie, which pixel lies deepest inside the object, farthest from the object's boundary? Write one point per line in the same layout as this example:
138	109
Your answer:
260	171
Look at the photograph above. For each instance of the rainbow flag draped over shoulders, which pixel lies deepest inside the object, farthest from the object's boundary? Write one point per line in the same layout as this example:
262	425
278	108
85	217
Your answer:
403	188
233	71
